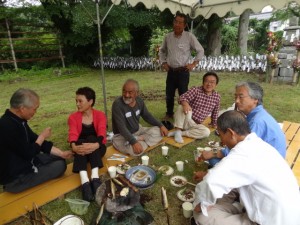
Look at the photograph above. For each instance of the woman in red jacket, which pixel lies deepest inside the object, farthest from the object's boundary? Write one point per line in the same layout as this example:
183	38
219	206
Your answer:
87	137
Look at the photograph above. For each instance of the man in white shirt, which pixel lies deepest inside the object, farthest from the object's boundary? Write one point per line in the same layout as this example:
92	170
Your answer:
266	190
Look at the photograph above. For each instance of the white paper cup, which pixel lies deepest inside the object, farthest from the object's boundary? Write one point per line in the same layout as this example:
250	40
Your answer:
207	149
112	170
164	150
200	149
197	155
145	160
179	165
187	209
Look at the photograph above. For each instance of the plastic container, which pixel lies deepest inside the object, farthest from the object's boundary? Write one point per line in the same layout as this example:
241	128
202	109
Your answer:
70	220
78	206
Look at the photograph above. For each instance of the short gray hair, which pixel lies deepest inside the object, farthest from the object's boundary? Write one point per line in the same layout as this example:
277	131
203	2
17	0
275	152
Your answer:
23	97
255	91
137	86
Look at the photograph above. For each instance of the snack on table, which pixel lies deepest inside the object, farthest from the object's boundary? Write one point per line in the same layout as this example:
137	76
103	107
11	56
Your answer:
186	195
166	170
122	168
140	175
178	181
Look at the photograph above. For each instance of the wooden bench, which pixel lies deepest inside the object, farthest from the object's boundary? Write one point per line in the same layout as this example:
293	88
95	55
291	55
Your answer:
13	206
292	134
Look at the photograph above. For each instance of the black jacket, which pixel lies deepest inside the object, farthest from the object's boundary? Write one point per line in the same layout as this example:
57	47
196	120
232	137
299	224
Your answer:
17	147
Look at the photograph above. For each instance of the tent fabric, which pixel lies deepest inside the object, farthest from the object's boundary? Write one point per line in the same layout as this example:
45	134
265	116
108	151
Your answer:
206	8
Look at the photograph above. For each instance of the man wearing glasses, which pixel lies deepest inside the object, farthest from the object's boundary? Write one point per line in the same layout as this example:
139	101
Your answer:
253	185
195	105
175	57
249	100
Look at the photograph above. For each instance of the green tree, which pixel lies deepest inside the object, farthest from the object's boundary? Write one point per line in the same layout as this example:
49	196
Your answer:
229	39
139	23
156	40
123	27
292	9
257	41
32	33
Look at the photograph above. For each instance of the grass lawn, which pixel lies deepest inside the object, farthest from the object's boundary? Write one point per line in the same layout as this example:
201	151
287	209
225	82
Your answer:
57	95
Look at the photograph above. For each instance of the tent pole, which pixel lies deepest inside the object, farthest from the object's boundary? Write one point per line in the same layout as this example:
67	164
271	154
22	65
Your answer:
101	56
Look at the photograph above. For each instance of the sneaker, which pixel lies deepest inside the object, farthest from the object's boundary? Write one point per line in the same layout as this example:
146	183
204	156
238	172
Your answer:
95	184
192	221
87	193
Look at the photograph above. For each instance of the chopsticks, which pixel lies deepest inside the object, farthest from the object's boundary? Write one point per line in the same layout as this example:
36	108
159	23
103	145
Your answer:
190	183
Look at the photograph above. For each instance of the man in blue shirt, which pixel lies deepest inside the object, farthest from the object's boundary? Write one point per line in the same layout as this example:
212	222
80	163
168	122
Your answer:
248	100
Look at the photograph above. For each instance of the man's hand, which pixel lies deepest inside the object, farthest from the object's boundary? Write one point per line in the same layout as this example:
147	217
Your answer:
43	136
46	133
164	131
165	66
198	176
67	154
137	148
63	154
191	66
186	107
206	155
197	208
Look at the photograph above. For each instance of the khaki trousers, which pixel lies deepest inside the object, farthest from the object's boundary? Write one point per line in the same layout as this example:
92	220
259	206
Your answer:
151	136
225	212
188	125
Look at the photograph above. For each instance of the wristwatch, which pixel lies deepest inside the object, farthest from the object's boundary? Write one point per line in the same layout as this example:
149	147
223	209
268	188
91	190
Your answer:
215	152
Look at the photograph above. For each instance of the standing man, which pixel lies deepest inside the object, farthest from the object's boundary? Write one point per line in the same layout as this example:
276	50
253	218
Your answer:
27	159
195	106
245	188
175	57
129	136
249	100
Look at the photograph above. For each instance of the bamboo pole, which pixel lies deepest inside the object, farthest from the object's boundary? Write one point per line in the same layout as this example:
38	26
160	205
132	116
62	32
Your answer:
61	56
11	45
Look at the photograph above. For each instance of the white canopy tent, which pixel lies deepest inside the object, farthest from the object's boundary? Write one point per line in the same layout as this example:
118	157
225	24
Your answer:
206	8
193	8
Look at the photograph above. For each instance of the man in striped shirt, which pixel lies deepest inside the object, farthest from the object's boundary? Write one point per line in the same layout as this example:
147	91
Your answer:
175	57
195	105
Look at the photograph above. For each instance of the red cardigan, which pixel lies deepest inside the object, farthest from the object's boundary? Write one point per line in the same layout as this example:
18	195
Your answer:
75	125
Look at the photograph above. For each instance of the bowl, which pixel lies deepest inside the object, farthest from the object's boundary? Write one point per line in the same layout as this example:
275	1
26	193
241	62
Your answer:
78	206
141	176
69	220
